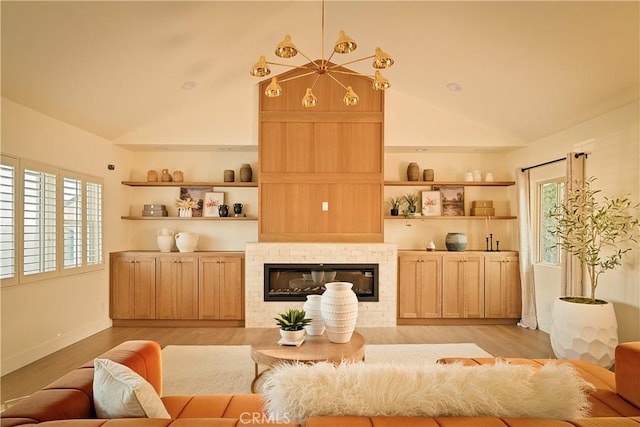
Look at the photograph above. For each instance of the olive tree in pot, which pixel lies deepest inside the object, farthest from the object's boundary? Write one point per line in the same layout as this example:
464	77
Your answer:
598	231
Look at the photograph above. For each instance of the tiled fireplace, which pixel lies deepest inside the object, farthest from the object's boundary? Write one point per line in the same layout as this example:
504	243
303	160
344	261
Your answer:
260	313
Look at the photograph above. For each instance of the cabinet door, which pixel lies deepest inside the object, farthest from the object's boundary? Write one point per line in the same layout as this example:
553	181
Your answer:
221	288
231	288
132	286
177	287
419	286
502	286
463	286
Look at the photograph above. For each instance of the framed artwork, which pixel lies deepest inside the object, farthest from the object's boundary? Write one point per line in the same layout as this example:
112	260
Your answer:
452	198
431	204
211	203
197	194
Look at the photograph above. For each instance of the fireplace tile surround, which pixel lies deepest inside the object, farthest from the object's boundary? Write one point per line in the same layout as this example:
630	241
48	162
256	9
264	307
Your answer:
259	313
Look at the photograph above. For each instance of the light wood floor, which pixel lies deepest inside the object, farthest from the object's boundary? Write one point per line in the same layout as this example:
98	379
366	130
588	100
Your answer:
501	340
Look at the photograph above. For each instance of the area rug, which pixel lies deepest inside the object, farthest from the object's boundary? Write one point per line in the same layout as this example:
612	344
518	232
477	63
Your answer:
226	369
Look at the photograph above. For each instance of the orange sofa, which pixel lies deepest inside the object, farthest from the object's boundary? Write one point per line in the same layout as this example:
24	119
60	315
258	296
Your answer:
68	400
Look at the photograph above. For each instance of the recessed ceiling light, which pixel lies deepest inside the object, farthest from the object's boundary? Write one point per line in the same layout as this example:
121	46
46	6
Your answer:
454	87
188	85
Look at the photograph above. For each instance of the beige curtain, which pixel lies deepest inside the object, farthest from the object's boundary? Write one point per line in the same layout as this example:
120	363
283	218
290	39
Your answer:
525	235
571	270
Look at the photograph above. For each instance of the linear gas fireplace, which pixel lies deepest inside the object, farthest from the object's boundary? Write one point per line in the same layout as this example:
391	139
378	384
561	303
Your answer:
293	282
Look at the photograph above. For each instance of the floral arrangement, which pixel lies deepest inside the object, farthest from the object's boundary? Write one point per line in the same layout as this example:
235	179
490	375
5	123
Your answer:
187	203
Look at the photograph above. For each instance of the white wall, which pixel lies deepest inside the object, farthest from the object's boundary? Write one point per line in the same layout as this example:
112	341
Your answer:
41	317
613	142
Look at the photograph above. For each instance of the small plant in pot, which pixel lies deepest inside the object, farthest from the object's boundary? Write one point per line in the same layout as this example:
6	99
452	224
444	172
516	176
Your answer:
411	201
394	204
598	231
292	323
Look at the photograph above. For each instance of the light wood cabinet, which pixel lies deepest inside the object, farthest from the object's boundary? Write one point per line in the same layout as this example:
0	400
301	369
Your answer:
420	286
503	297
221	287
176	287
182	289
133	281
463	286
451	287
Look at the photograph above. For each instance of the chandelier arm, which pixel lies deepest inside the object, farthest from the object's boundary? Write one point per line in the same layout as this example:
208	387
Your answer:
302	67
351	62
298	76
309	59
351	73
336	80
315	81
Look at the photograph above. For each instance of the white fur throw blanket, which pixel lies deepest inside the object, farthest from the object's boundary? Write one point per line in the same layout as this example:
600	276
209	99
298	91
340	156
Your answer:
296	392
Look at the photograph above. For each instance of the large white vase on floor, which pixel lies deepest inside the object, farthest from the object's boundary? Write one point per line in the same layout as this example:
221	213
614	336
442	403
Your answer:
584	331
339	307
312	308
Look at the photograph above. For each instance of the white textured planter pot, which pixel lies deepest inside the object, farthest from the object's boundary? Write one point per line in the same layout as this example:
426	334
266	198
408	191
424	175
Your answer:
339	306
584	331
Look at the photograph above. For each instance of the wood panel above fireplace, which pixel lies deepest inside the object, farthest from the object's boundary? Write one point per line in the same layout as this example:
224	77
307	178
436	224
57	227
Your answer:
329	155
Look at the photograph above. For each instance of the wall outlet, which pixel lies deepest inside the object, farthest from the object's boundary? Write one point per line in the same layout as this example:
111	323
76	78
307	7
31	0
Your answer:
325	206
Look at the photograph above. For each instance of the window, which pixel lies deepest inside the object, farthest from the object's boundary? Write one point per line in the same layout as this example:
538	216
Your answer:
8	244
551	194
51	222
39	221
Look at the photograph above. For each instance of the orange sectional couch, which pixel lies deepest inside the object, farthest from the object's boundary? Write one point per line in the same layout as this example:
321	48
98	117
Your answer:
68	400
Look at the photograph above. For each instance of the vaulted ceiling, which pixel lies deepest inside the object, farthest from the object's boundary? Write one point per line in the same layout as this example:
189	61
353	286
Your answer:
525	68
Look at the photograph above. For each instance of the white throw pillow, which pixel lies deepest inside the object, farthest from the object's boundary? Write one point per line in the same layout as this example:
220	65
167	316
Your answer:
119	392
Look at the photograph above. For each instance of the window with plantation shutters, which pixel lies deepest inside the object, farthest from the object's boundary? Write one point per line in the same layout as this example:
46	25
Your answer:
94	223
72	222
8	270
51	223
39	222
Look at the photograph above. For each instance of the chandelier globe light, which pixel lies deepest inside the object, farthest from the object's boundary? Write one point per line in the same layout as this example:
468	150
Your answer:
322	67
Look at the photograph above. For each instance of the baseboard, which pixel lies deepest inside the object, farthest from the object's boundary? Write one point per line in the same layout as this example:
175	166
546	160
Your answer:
457	321
31	354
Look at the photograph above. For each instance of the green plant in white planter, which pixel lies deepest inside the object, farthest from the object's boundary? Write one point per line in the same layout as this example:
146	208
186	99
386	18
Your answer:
292	323
598	231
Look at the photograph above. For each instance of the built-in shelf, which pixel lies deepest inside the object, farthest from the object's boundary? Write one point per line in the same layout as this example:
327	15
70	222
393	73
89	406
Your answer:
189	184
456	183
465	217
195	218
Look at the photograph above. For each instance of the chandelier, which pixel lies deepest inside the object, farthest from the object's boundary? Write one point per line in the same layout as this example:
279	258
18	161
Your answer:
322	67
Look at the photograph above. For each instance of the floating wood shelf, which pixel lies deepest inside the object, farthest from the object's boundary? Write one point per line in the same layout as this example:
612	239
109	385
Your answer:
465	217
456	183
189	184
194	218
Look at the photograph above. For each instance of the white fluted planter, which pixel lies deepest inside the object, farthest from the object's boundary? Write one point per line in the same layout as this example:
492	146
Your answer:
339	306
584	331
312	308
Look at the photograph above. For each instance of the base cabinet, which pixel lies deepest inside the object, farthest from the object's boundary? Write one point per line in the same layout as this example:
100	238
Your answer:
133	286
463	286
421	290
503	297
175	286
221	290
471	286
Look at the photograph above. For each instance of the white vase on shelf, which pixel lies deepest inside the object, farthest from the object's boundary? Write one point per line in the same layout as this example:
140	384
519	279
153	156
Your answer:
165	240
185	212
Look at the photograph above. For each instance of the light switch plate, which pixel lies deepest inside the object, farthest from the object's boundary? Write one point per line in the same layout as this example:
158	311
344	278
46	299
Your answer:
325	206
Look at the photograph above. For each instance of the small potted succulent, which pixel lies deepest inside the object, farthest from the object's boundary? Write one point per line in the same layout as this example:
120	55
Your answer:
292	323
411	201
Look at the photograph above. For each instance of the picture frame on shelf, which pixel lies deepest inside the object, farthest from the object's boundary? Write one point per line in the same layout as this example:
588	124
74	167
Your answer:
197	194
211	202
452	199
431	203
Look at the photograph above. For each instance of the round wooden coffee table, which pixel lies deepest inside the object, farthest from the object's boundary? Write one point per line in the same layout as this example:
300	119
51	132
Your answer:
316	348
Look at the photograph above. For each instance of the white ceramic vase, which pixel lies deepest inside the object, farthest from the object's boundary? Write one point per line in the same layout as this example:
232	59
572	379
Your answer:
185	212
312	308
584	331
186	242
165	240
339	307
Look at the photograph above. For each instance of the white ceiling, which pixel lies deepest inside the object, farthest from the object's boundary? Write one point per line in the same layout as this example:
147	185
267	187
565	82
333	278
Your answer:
528	69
